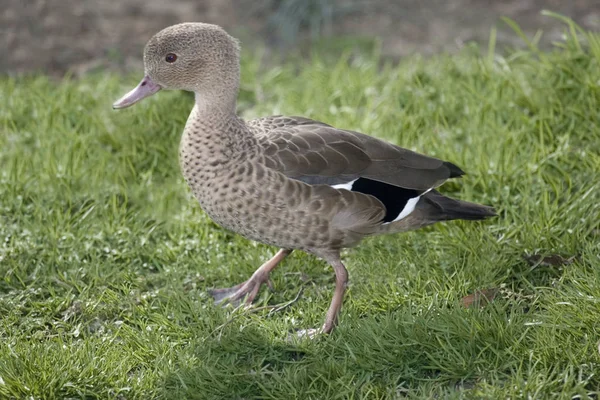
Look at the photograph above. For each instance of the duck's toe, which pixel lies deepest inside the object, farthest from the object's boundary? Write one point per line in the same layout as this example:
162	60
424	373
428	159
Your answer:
302	334
222	295
246	291
249	289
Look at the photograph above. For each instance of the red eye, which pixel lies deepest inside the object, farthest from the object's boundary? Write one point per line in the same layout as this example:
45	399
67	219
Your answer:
171	58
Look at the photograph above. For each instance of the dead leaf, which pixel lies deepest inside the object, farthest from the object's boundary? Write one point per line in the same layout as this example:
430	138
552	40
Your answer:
552	260
480	298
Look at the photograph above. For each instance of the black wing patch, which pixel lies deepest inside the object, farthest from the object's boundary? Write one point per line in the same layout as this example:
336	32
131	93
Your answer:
394	198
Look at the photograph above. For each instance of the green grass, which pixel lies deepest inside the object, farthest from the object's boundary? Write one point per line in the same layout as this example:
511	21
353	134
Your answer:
105	258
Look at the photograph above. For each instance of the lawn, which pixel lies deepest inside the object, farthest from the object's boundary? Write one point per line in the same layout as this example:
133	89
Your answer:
105	257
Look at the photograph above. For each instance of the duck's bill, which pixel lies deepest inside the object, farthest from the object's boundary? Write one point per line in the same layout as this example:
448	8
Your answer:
144	89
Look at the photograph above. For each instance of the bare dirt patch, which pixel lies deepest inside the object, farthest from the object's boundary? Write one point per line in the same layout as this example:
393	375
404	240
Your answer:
54	36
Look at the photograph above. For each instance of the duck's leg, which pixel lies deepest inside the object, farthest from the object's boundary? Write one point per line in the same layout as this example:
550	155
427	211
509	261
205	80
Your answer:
331	318
250	288
341	281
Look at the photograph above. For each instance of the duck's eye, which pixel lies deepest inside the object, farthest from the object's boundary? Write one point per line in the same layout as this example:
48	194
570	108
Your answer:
171	58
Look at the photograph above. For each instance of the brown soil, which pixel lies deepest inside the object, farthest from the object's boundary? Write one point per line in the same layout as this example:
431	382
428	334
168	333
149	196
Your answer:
54	36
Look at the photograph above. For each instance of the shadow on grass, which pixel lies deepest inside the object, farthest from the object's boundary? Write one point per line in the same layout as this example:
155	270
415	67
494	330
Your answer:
374	357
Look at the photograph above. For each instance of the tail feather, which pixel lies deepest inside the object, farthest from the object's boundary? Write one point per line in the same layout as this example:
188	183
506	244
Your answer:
446	208
434	207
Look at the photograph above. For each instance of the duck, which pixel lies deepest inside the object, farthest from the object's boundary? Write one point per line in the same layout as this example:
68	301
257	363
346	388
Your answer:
288	181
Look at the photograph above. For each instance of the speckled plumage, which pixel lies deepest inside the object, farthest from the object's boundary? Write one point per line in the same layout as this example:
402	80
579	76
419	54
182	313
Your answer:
276	179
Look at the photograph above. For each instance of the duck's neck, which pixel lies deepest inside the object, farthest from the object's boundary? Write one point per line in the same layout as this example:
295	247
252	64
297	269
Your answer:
212	105
214	135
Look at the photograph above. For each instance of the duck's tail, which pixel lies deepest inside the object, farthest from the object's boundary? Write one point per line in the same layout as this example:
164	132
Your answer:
434	207
442	208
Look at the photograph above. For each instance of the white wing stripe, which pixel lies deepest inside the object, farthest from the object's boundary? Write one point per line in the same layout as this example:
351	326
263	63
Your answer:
347	185
409	207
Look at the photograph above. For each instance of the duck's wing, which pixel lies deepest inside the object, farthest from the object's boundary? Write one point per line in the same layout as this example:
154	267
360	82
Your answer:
317	153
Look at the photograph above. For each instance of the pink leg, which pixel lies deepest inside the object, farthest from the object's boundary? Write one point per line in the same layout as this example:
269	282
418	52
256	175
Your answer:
331	318
250	288
341	281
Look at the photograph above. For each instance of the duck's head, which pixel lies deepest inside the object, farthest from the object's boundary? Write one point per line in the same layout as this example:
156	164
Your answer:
197	57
